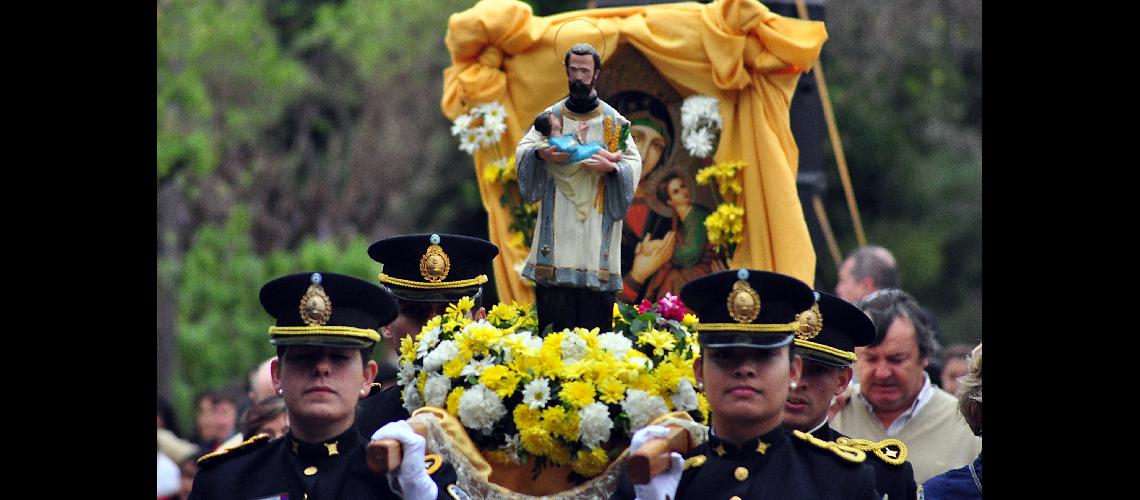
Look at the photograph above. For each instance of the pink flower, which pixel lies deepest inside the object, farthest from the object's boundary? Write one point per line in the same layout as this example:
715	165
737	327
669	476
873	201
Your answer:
644	306
671	307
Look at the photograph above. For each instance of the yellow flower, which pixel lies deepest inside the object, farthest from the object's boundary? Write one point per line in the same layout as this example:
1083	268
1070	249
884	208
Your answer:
578	394
591	463
517	240
500	379
611	391
407	350
526	417
465	304
559	453
477	339
536	441
454	367
661	340
689	321
703	407
421	380
666	376
561	423
491	172
502	314
453	400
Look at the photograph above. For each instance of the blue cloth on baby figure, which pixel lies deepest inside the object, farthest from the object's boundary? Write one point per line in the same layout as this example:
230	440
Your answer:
578	152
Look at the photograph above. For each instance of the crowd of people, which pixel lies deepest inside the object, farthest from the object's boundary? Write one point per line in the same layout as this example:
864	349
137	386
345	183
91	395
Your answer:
810	395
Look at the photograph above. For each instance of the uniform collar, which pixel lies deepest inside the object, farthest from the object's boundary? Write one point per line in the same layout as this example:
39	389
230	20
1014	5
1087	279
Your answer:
332	447
761	445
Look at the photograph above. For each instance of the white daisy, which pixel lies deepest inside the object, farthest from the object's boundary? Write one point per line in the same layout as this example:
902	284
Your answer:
536	393
461	124
469	141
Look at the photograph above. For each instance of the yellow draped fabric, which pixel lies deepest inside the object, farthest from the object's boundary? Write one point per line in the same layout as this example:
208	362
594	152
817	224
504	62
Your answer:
735	50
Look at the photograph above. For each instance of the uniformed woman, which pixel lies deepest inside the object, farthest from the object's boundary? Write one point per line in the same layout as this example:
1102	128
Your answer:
325	330
747	364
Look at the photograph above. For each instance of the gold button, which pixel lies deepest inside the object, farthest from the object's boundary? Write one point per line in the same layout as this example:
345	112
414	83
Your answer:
310	470
741	473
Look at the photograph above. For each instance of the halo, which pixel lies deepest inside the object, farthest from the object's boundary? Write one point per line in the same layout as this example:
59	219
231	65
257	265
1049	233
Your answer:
559	31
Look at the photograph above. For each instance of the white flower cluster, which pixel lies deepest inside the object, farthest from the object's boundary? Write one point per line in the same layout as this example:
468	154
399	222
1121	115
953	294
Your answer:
480	408
685	399
642	408
594	424
615	343
436	389
444	352
700	124
573	348
480	127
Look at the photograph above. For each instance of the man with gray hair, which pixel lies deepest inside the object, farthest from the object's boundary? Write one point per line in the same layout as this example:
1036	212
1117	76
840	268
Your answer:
895	398
867	269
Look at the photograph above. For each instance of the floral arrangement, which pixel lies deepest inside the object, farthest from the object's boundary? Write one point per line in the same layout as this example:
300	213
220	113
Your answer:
572	397
481	130
725	226
700	124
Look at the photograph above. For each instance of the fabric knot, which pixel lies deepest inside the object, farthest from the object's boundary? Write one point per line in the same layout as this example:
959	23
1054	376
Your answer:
491	56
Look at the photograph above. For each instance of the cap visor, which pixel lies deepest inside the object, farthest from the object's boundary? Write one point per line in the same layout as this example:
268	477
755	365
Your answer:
721	340
334	341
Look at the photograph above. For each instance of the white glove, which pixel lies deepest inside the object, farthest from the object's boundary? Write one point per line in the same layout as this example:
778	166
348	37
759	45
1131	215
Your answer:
664	485
411	480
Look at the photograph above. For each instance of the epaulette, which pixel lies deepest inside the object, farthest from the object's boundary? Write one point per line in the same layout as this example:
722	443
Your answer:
890	450
846	452
433	462
694	461
246	446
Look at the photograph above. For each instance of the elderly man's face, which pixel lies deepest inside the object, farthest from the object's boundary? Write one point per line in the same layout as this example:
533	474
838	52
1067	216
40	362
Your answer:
849	288
891	373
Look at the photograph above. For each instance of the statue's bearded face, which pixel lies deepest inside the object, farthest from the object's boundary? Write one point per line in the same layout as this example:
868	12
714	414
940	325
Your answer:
580	75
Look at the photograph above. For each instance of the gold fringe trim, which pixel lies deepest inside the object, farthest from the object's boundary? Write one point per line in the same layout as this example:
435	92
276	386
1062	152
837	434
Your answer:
478	280
848	355
747	327
878	448
344	331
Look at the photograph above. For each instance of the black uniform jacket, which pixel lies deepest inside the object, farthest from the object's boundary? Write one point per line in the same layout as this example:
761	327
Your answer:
777	465
285	468
378	409
896	481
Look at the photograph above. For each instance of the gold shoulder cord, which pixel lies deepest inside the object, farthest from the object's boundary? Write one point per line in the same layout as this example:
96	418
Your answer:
881	449
695	461
254	439
433	462
849	453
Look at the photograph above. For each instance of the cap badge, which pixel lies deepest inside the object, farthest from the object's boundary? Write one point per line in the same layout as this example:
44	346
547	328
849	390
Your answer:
435	264
743	302
810	323
316	306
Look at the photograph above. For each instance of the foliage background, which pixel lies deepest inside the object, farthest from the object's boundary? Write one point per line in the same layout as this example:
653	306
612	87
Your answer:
291	134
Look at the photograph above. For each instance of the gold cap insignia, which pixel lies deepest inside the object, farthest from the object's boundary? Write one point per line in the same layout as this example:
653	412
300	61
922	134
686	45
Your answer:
435	264
316	306
810	323
743	301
